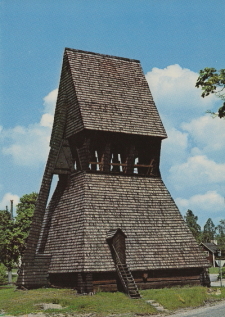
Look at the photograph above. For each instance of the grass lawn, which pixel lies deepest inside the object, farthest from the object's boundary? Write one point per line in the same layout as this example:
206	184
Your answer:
182	297
18	302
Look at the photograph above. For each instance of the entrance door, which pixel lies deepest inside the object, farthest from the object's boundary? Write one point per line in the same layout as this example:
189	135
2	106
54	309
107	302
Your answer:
116	239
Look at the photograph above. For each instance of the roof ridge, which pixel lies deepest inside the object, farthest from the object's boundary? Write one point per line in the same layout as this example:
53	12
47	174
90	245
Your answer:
103	55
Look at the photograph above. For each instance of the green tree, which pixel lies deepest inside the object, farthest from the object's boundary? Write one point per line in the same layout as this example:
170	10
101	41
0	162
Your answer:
191	221
7	255
221	234
209	231
4	217
2	274
213	82
25	210
13	234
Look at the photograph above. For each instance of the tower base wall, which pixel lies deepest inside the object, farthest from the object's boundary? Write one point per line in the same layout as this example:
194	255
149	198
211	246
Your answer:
109	282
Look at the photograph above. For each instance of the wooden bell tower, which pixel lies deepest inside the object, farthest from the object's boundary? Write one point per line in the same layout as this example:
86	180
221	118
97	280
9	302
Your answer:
111	223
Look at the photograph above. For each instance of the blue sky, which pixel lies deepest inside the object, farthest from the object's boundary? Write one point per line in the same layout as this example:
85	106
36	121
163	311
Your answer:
172	39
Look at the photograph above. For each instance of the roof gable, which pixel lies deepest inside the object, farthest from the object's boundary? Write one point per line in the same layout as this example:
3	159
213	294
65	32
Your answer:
109	94
210	246
112	232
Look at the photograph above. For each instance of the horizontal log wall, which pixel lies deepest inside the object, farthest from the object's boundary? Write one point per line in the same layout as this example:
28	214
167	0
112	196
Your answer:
109	282
63	279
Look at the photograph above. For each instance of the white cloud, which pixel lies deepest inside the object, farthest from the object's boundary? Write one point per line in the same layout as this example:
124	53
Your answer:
173	89
174	148
176	86
47	120
207	133
50	101
197	170
29	145
6	201
49	109
211	202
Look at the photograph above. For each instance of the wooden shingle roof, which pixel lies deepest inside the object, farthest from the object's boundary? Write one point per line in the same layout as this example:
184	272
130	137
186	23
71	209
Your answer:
93	204
106	93
212	247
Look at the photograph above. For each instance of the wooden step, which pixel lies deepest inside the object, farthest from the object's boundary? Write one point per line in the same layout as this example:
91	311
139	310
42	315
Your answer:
137	295
132	286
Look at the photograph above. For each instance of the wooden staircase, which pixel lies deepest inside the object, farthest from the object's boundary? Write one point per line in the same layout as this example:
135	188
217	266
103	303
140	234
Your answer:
126	278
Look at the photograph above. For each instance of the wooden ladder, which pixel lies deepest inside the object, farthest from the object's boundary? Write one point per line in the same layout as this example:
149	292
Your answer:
126	278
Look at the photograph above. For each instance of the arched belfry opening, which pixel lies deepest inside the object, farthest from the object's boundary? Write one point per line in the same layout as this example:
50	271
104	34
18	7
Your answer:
111	219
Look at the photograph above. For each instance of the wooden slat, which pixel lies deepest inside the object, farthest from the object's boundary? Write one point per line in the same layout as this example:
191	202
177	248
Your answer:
103	282
120	164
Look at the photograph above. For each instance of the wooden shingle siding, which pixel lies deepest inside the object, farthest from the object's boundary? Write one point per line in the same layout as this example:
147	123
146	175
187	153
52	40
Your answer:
27	276
92	204
36	273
